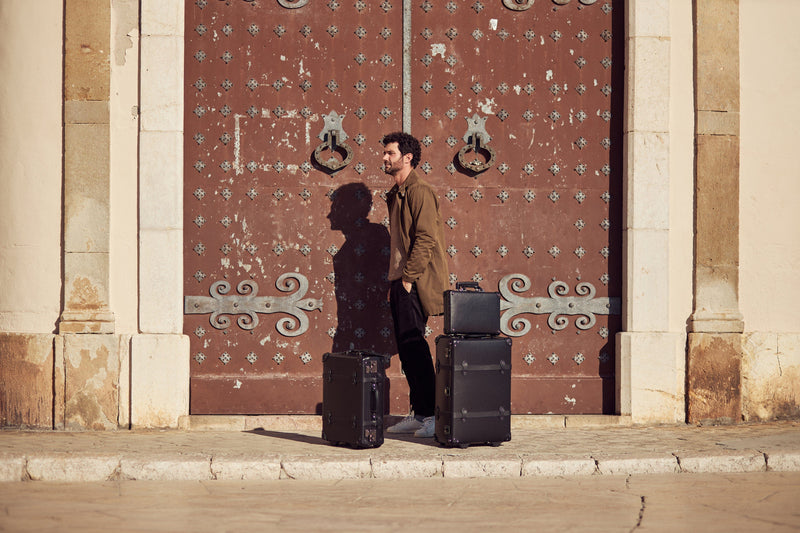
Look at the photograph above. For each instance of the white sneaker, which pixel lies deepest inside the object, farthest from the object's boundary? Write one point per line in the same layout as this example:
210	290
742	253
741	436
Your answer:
409	424
428	428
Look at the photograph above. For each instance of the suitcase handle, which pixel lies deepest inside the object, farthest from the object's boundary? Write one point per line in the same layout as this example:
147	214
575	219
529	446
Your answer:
462	285
374	401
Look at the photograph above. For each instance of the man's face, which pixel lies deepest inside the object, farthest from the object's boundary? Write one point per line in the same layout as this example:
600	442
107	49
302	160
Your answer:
393	160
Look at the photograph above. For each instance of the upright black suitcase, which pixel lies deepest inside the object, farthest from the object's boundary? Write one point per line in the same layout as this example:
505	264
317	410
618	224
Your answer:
353	388
470	311
473	390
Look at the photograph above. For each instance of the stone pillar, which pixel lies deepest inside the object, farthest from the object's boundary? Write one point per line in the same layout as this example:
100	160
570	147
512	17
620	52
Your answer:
160	353
716	325
87	79
31	157
649	364
91	361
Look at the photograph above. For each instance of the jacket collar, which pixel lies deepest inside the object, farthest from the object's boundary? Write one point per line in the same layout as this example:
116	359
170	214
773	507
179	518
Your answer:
410	180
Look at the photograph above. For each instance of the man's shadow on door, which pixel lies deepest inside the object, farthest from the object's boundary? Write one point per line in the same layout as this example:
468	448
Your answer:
360	270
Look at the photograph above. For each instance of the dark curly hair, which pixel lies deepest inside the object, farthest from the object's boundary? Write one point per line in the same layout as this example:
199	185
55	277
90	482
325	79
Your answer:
406	143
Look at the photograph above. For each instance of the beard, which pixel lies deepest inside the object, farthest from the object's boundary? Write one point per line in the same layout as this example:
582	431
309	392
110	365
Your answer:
391	168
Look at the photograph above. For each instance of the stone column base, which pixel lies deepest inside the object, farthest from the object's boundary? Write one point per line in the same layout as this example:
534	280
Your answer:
93	382
650	371
714	378
159	380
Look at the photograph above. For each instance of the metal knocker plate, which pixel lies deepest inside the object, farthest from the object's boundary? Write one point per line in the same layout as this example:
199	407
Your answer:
477	140
518	5
333	137
292	5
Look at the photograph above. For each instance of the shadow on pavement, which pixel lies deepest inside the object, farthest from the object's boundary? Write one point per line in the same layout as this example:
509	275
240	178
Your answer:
307	439
296	437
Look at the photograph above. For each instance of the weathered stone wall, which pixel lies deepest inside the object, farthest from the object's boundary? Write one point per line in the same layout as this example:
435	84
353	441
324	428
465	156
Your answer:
770	220
26	380
30	165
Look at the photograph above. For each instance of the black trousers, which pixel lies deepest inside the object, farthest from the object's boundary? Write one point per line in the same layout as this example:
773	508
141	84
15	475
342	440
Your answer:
415	354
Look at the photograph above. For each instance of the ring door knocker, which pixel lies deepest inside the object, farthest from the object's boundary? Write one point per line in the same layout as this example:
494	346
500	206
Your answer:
292	5
333	137
518	5
477	140
523	5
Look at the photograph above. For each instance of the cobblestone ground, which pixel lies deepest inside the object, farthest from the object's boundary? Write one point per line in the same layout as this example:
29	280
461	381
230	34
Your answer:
758	502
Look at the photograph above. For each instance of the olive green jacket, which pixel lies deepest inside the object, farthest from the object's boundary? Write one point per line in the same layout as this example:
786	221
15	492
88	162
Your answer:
414	210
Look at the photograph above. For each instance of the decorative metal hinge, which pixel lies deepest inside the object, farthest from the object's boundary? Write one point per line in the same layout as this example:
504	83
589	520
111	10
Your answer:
247	303
477	139
556	305
333	137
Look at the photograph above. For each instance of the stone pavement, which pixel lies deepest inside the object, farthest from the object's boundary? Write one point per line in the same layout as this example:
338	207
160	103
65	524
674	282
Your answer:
285	453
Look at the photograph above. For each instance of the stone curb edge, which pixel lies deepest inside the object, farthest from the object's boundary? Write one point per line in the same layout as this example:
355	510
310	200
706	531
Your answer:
65	467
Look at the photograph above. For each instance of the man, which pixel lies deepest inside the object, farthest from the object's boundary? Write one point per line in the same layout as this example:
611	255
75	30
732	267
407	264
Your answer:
417	273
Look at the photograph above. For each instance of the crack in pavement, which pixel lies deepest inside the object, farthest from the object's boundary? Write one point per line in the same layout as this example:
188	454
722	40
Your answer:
641	514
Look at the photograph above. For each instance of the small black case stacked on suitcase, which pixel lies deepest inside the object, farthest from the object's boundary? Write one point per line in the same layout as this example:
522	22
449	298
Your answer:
353	390
473	370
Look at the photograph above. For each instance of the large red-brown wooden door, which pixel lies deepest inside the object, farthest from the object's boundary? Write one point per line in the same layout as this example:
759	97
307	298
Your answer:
285	231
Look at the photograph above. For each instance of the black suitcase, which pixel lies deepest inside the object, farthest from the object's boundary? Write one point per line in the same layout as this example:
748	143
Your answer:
473	390
353	388
471	312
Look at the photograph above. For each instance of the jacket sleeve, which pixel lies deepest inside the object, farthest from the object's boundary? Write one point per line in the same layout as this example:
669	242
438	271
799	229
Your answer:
424	209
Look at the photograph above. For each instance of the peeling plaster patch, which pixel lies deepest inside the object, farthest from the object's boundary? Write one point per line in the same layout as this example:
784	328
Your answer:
571	401
237	384
84	295
126	28
438	49
549	75
488	106
237	146
493	24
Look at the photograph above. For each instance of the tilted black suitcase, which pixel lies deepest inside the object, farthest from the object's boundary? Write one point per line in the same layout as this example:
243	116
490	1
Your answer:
473	390
471	312
353	387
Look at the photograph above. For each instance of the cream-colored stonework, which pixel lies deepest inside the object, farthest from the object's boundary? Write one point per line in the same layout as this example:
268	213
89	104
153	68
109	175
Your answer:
771	376
124	114
30	165
159	380
649	372
769	219
92	365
